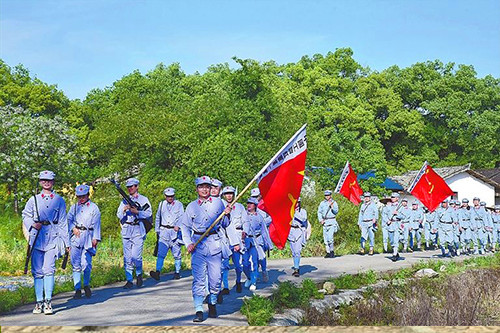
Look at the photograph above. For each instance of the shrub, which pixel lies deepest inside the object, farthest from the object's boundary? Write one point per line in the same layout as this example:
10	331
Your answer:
258	310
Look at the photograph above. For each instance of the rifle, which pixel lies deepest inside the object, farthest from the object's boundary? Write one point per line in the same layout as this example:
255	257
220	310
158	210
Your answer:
126	198
65	260
155	252
29	250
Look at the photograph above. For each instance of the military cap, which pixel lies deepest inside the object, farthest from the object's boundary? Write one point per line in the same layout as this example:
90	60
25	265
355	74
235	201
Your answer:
452	202
328	192
228	189
395	195
299	199
253	200
465	200
414	202
476	198
497	207
457	202
169	191
367	194
82	190
482	203
47	175
216	182
445	201
404	199
203	180
255	192
132	182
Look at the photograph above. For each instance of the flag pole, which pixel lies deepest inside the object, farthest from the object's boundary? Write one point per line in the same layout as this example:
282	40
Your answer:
337	189
247	187
417	177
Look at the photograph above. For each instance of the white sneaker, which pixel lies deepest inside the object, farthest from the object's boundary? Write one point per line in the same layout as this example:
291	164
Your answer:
247	283
265	277
47	308
253	287
38	308
458	252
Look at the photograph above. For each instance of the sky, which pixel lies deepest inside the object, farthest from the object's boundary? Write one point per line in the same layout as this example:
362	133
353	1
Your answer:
81	45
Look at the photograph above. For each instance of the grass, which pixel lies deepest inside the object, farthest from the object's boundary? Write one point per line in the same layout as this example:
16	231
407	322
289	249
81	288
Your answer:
346	281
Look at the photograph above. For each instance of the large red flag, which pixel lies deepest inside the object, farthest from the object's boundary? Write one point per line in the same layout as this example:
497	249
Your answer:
348	185
429	187
280	182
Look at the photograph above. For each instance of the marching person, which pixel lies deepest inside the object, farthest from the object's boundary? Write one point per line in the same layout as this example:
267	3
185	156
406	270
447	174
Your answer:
206	258
430	229
444	216
367	218
456	225
404	213
133	232
237	218
256	239
216	188
495	217
44	216
167	227
298	235
464	223
84	221
385	216
416	220
327	211
255	193
394	218
478	214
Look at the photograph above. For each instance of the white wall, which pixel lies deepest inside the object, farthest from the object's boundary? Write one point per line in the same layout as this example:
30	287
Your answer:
468	187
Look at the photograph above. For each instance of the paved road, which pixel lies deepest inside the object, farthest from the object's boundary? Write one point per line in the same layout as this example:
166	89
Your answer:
169	302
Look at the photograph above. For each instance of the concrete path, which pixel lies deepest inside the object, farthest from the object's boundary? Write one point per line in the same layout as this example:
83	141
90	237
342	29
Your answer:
169	302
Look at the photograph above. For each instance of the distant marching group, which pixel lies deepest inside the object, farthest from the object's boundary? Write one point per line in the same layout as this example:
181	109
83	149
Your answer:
241	235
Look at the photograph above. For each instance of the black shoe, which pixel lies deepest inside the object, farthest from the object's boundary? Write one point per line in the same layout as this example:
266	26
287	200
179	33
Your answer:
139	281
88	292
212	311
78	294
177	276
238	287
128	285
332	254
296	273
327	255
155	275
198	317
220	299
225	291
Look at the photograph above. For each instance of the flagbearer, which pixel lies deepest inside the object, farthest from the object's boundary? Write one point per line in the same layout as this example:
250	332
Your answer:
206	258
133	232
367	219
167	227
298	235
45	215
84	221
327	211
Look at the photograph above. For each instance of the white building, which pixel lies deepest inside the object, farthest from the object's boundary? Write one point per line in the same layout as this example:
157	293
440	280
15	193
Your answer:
465	182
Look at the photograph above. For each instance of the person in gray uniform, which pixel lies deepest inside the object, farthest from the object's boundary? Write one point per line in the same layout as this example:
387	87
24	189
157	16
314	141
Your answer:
298	235
478	215
44	216
327	212
416	225
495	217
167	227
430	229
404	214
464	222
367	218
444	215
84	222
133	232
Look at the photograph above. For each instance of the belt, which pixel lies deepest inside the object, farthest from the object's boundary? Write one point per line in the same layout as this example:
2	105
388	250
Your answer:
367	220
466	219
132	223
446	222
239	228
47	222
212	232
294	226
81	227
254	235
167	226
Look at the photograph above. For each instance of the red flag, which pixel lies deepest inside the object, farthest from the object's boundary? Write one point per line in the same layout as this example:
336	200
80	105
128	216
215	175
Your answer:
348	185
280	183
429	187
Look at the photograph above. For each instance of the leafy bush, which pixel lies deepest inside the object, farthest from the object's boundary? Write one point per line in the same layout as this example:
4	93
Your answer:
346	281
258	310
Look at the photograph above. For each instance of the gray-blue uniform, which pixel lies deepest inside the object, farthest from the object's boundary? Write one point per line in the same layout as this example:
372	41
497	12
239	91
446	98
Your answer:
257	241
255	193
488	227
85	217
327	211
368	216
53	238
133	232
297	236
456	225
416	224
431	228
206	260
404	214
464	221
478	215
445	218
167	218
386	217
495	217
393	218
237	218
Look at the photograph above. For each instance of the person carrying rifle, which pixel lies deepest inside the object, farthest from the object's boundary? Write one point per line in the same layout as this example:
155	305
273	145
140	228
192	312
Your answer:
133	231
167	227
327	211
45	218
84	221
